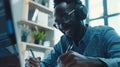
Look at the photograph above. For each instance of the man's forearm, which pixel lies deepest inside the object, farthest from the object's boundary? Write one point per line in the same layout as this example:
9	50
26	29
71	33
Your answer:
95	62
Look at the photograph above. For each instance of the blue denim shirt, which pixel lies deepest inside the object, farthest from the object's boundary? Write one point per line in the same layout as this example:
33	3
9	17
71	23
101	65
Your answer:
100	42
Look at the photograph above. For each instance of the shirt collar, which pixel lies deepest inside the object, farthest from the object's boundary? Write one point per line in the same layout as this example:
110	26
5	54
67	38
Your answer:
87	35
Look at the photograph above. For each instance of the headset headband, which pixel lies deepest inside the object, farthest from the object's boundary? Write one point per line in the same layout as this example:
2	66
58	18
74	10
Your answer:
56	2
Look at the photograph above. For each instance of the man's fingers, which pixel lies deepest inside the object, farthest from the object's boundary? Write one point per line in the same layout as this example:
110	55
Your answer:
34	62
65	58
62	57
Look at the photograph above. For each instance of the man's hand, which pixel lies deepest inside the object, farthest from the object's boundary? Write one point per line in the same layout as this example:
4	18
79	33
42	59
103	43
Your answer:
74	59
34	62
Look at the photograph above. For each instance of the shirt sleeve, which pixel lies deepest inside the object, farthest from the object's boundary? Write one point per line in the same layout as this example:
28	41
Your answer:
51	59
113	49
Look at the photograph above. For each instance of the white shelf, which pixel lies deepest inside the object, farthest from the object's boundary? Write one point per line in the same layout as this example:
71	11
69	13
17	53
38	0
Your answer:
33	24
40	7
36	47
23	19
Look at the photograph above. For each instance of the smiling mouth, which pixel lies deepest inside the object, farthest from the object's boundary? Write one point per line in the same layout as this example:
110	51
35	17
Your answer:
68	32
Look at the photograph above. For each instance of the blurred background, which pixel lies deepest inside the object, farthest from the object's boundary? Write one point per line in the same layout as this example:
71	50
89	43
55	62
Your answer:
33	23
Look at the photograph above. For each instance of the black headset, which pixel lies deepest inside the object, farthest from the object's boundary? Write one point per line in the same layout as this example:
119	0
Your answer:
80	9
80	12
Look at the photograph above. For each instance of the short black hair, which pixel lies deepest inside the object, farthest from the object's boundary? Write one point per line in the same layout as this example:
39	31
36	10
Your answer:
56	2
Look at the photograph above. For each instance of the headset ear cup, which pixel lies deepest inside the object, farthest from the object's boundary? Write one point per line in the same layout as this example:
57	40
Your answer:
80	12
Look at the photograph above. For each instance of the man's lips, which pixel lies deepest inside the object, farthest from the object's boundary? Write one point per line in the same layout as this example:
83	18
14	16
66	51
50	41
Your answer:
67	29
68	32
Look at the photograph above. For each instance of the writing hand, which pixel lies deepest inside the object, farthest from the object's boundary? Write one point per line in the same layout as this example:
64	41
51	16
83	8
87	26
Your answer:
34	62
74	59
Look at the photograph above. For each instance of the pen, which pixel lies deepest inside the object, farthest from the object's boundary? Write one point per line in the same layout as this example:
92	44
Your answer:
32	53
69	48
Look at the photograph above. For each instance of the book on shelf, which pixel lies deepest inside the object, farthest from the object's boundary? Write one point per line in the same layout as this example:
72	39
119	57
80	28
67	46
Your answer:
38	17
33	14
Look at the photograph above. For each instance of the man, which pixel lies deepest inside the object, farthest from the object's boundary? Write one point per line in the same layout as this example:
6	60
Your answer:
81	46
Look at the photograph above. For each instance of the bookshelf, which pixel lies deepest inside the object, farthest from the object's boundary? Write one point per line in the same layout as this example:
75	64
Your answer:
25	6
36	47
32	24
40	7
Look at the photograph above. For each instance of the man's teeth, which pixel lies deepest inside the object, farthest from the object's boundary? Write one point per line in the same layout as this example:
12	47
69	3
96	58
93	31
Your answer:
67	31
